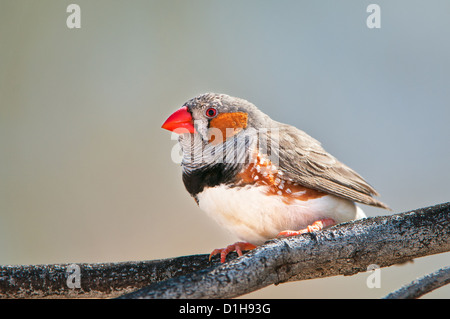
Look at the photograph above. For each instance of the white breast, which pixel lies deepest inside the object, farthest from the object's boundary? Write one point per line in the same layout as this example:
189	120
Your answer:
254	216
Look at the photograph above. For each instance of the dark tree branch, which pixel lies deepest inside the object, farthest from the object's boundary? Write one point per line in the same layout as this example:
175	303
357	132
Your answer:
345	249
97	279
423	285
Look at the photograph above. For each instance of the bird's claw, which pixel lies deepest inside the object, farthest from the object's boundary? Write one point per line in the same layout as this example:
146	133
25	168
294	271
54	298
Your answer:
317	225
238	247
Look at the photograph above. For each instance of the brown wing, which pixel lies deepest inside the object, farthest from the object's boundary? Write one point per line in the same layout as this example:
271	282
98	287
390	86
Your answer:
302	159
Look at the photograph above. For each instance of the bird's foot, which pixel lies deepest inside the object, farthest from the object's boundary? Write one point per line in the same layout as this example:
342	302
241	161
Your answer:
317	225
238	247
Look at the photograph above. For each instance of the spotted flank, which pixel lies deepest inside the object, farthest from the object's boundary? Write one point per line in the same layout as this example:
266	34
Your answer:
261	172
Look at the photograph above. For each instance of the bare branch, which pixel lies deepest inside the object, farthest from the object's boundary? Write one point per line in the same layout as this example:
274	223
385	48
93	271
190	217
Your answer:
423	285
344	249
100	280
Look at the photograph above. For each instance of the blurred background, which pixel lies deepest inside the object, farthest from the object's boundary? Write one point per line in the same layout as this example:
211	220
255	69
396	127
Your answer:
85	170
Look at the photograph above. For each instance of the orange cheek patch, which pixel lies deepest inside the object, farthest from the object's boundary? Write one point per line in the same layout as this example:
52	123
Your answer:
228	124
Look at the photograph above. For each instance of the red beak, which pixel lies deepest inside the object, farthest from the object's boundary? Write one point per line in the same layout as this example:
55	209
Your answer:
181	121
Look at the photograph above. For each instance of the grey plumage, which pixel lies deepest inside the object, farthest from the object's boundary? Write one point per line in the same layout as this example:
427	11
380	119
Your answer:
303	159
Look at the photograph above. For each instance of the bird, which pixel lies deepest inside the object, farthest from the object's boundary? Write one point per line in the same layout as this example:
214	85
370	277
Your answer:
261	179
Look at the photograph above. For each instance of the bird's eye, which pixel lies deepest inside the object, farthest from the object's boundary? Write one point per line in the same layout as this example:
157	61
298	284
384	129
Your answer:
211	112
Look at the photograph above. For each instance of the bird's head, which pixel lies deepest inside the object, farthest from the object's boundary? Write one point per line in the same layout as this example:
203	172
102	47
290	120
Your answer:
215	117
